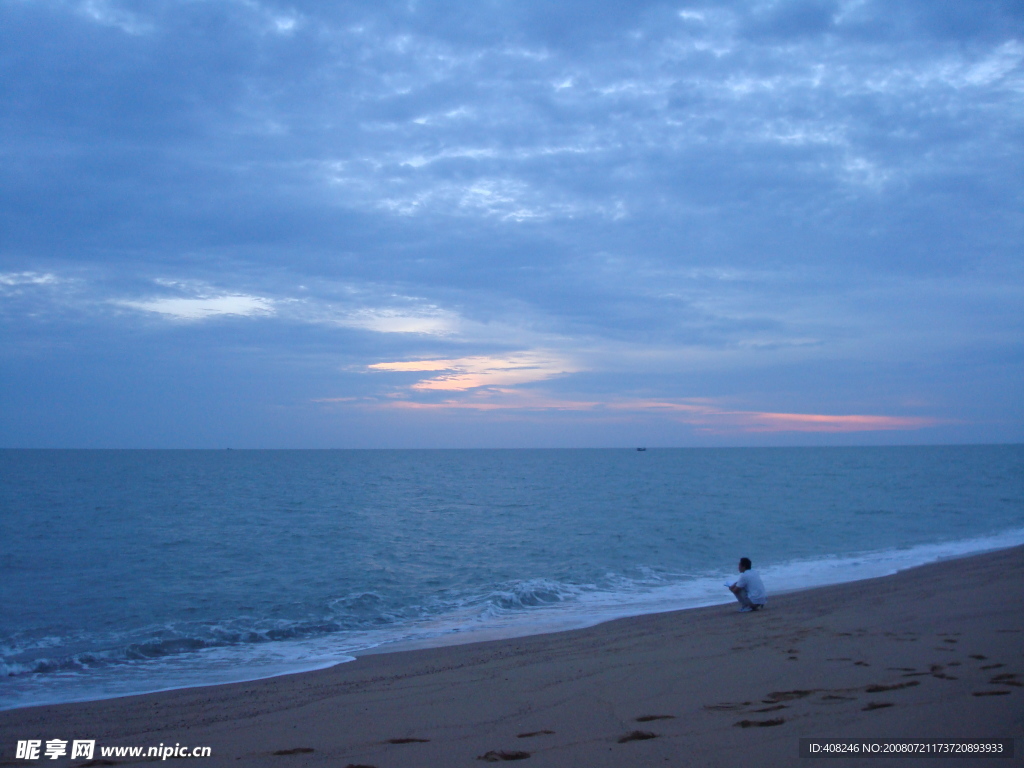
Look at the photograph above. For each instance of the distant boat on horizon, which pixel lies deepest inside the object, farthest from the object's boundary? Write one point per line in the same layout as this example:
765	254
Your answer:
641	449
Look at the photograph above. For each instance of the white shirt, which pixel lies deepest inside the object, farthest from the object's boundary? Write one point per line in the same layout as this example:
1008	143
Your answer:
751	581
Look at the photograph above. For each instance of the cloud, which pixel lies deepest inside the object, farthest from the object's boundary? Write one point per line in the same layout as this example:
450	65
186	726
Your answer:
809	205
755	421
431	321
27	278
706	416
204	308
469	373
109	14
401	314
368	307
493	384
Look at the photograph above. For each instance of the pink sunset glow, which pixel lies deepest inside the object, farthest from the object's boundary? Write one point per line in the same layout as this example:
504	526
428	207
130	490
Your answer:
704	414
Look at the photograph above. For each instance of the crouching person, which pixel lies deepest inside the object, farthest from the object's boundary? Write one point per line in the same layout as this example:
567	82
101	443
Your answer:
748	588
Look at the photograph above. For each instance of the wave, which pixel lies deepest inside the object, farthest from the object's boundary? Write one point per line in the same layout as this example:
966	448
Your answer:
246	648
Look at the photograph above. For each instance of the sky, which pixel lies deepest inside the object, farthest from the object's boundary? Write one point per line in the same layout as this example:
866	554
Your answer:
255	224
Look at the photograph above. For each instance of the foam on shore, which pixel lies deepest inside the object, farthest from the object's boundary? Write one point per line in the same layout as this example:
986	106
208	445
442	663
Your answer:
932	653
531	608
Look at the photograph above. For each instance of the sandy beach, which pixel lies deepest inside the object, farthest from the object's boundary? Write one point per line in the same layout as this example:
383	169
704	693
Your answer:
935	652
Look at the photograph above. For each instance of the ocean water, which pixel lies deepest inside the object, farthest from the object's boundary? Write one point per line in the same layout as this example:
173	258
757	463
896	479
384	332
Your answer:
130	571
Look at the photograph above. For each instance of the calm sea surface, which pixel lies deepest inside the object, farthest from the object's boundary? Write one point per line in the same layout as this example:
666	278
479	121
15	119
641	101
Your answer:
131	571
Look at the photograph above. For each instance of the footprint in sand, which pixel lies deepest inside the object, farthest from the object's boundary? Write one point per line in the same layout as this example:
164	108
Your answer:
533	733
894	687
359	765
991	693
776	696
649	718
861	664
877	705
496	756
938	670
835	697
410	740
993	666
637	736
901	669
977	656
295	751
771	709
1007	678
760	723
726	706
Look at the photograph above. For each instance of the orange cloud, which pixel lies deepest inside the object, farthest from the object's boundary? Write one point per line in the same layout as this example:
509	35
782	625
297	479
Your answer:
488	383
698	412
467	373
816	422
416	365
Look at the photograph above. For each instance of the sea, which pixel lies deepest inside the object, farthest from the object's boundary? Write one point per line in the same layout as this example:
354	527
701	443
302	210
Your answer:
128	571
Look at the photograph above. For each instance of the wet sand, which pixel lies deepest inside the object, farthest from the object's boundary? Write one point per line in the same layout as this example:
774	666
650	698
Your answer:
935	652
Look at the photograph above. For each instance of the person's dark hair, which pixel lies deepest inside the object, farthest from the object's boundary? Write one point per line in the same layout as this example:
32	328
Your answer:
745	563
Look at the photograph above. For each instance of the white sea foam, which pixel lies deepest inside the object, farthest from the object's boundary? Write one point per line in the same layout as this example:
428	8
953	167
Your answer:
512	610
588	607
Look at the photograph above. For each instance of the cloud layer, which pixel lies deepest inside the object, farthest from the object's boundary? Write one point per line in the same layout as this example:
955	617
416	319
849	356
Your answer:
662	223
